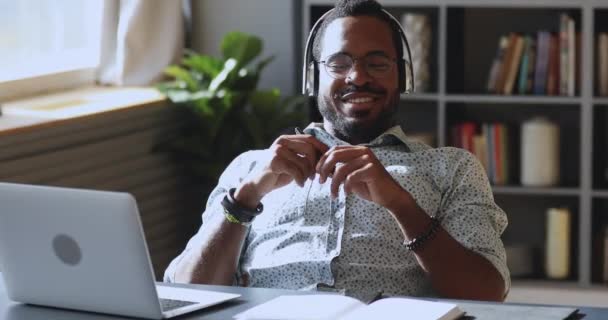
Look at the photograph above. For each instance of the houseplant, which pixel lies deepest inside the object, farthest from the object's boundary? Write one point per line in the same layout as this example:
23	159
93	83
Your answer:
224	111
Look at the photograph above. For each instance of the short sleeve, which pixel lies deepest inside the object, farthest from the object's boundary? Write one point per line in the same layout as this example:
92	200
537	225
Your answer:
238	169
470	215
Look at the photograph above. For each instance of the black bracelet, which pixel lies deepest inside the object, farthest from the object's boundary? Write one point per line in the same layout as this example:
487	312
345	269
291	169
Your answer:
236	213
417	242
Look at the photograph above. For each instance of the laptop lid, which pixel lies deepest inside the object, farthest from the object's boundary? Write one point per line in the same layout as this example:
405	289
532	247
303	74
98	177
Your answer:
76	249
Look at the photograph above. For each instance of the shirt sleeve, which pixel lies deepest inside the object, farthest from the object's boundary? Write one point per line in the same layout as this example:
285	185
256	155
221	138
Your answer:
238	169
470	215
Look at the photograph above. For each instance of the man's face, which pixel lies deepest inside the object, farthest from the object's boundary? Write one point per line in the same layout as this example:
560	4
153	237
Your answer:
360	106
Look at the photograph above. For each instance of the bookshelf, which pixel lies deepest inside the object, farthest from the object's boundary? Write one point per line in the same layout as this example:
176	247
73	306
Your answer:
464	44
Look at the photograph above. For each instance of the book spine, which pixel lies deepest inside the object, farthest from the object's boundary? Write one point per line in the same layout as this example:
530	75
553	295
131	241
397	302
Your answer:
491	163
497	154
513	64
523	70
531	66
605	253
564	53
504	152
603	63
553	66
506	64
503	43
571	57
540	76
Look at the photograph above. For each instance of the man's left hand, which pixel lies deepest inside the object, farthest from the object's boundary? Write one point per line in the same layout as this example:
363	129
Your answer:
361	173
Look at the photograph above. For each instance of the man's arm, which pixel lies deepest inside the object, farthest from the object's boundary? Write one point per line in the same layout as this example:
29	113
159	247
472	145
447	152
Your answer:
214	258
455	271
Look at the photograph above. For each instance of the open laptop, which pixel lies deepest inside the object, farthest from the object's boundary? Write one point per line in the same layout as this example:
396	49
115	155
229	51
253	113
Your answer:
84	250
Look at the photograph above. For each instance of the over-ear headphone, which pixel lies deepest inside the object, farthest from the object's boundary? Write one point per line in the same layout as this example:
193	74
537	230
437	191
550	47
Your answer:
310	69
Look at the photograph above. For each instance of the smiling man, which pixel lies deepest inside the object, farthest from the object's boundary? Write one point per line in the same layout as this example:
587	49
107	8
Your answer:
353	203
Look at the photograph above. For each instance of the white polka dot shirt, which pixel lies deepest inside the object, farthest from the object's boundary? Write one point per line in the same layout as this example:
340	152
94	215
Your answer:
304	239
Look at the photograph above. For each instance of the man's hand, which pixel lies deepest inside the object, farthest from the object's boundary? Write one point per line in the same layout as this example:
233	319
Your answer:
361	173
294	157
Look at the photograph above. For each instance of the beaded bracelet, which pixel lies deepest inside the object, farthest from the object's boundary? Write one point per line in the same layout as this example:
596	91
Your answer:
417	242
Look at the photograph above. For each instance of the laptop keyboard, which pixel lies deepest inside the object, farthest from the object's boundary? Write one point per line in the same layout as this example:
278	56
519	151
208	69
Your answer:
168	304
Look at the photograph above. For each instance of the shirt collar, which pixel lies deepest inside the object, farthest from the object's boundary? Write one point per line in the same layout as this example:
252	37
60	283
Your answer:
392	136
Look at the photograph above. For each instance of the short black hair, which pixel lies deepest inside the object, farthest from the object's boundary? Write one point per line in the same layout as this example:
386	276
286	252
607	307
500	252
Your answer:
353	8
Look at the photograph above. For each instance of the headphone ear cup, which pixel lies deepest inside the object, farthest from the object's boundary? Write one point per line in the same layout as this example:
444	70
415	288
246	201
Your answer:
311	79
402	75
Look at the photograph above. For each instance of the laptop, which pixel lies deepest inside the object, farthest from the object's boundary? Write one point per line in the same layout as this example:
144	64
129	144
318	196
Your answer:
84	250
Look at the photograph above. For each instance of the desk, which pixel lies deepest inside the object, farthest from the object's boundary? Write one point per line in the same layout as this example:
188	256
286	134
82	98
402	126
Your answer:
250	297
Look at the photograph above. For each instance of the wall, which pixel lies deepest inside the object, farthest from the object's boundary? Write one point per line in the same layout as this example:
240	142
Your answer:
273	20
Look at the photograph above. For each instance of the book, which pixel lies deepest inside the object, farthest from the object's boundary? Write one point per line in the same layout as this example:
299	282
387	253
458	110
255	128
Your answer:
480	147
572	56
553	66
503	43
564	53
506	63
513	64
602	54
531	66
467	131
542	62
487	132
605	247
523	68
333	306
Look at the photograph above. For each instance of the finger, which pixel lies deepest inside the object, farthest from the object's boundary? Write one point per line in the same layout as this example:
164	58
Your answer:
285	161
304	150
305	145
294	160
318	145
327	163
357	176
342	171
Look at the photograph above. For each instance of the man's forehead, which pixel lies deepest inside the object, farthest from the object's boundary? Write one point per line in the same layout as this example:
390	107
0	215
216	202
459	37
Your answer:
361	33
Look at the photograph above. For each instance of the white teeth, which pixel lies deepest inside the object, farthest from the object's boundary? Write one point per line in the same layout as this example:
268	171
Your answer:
360	100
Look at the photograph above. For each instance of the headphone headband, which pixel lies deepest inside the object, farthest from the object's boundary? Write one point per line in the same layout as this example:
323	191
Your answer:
310	72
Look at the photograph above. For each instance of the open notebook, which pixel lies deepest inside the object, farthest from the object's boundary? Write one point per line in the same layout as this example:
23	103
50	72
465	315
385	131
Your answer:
325	306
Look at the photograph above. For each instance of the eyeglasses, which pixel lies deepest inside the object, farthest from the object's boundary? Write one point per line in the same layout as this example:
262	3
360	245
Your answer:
340	65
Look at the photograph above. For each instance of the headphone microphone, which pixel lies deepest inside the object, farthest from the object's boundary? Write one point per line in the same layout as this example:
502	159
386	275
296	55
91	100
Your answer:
310	69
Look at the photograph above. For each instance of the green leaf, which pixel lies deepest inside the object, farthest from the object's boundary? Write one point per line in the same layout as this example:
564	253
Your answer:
206	65
182	74
241	46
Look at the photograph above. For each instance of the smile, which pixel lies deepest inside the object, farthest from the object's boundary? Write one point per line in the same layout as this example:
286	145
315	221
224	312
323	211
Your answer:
359	100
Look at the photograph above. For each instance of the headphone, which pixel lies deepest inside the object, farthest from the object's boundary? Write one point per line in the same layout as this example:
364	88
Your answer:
310	69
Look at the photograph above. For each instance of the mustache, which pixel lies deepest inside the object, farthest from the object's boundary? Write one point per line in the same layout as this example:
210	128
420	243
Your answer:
360	89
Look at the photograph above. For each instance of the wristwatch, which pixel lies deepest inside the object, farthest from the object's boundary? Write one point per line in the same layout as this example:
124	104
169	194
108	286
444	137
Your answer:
236	213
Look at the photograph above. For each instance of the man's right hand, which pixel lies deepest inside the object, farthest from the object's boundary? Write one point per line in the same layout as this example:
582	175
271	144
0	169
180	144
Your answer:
294	157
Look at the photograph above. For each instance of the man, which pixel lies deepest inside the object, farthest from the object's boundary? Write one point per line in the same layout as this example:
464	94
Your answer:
366	209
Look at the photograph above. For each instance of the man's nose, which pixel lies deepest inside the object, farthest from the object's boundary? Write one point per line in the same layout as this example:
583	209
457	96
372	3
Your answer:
358	75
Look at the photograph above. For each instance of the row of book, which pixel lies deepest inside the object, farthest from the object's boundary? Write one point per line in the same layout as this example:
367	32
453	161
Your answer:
547	63
602	61
489	143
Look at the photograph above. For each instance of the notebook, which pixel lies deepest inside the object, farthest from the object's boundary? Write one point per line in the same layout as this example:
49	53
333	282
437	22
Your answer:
329	306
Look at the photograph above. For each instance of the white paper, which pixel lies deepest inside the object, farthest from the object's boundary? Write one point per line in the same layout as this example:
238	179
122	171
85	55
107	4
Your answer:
309	307
404	308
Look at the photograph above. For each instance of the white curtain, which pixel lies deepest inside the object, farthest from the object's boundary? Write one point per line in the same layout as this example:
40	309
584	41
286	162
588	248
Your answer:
140	38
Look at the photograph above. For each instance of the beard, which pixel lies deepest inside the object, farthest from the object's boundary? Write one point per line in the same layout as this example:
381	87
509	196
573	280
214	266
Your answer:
356	132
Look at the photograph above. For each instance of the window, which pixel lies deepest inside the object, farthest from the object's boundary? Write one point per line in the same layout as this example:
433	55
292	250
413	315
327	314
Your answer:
45	37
